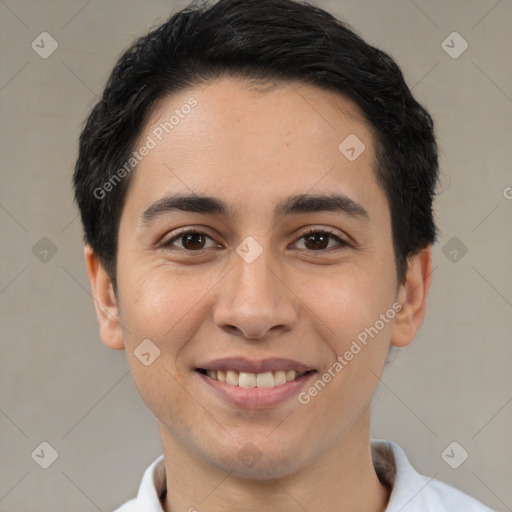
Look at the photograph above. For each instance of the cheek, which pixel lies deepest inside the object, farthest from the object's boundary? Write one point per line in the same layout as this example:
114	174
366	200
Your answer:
169	306
350	301
160	303
354	315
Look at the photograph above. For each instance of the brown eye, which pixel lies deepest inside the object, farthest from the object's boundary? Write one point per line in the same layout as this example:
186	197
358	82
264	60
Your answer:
190	241
193	241
318	240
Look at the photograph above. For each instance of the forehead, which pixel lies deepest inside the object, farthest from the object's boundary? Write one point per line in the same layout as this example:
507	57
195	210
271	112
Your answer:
248	145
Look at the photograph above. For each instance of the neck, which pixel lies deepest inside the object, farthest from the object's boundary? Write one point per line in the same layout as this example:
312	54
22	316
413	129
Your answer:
343	478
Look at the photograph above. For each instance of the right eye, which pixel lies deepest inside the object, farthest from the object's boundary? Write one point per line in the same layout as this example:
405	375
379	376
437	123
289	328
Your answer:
191	240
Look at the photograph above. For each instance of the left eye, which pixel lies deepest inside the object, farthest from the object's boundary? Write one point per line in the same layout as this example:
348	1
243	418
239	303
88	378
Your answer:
319	240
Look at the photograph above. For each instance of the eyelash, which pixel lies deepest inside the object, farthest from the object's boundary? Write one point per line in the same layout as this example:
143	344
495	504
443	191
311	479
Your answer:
316	231
342	243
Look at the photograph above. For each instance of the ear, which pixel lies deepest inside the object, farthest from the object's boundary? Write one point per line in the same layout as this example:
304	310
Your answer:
413	298
105	302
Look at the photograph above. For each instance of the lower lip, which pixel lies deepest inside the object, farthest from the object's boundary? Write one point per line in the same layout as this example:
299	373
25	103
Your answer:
256	398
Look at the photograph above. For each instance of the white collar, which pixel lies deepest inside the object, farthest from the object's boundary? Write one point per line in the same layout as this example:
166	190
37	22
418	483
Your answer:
411	492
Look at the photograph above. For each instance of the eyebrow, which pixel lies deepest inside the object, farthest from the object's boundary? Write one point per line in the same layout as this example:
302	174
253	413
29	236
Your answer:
302	203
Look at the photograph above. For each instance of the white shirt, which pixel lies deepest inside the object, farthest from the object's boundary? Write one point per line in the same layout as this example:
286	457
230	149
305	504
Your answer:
410	491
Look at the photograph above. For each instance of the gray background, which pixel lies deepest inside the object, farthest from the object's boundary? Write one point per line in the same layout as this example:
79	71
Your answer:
61	385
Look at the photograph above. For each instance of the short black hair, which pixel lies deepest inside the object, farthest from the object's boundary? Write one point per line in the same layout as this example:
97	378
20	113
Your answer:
258	40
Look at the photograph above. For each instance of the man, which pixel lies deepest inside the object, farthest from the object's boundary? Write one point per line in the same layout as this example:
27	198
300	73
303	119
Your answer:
256	190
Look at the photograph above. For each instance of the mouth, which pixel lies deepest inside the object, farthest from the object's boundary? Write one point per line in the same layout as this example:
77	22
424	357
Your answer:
251	384
254	380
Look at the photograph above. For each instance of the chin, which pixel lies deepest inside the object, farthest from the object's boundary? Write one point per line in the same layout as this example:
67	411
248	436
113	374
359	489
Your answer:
256	458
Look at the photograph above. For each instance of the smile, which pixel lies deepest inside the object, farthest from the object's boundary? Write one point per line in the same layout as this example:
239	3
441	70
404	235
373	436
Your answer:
253	384
254	380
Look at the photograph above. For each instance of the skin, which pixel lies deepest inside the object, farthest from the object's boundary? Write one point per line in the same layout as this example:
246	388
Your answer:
251	149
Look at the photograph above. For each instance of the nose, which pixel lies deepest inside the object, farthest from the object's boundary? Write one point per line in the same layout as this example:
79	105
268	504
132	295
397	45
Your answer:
255	300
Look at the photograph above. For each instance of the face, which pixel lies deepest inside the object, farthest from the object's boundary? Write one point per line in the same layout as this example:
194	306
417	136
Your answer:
253	249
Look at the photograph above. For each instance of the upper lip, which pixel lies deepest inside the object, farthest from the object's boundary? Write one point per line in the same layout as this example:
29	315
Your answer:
241	364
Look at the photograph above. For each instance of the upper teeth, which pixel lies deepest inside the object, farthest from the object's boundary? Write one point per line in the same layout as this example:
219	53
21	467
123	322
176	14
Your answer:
253	380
